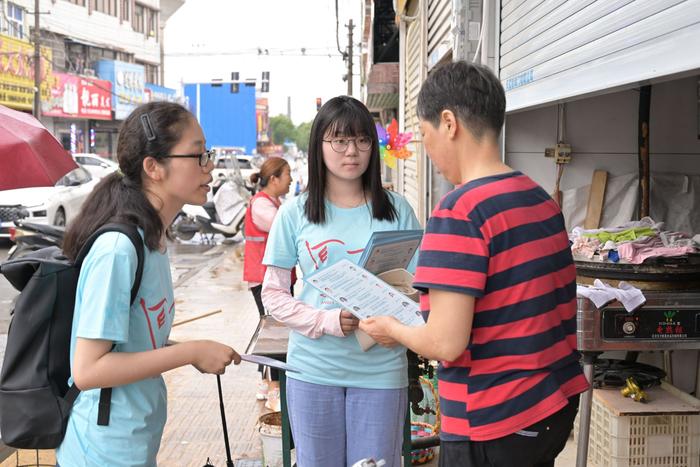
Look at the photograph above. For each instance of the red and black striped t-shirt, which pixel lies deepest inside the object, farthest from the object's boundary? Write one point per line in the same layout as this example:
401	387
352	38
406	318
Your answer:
502	240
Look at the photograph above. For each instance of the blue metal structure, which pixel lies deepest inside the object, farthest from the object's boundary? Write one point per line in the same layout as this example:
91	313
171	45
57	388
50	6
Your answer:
227	118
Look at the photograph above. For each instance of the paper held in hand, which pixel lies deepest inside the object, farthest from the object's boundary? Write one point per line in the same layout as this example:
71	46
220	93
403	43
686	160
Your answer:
363	294
271	362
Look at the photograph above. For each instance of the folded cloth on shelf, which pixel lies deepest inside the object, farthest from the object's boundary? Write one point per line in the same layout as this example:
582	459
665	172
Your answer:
676	239
585	247
601	294
638	251
634	242
644	223
624	235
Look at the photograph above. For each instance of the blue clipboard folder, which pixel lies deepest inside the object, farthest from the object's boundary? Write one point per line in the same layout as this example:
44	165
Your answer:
390	249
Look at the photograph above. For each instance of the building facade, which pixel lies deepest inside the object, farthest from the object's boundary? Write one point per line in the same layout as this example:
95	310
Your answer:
99	57
403	41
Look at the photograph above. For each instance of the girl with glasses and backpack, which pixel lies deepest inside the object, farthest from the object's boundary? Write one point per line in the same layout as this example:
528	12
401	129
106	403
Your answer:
116	342
345	404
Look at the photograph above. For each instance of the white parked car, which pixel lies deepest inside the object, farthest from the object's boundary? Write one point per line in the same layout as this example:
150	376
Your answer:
249	164
98	166
55	205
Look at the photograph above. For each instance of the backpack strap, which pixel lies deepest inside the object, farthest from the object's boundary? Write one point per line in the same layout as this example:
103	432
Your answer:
103	406
133	234
130	231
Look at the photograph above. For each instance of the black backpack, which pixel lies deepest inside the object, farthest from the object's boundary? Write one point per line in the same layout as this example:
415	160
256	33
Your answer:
35	400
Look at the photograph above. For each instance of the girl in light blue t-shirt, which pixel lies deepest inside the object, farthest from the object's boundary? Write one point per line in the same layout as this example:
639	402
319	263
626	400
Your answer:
163	164
345	404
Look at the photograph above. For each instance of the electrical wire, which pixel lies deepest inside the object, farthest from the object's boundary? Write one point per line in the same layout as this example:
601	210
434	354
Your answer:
337	31
297	52
481	32
561	131
559	173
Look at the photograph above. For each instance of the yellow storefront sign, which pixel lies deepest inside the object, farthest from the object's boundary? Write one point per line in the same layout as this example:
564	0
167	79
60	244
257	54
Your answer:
17	73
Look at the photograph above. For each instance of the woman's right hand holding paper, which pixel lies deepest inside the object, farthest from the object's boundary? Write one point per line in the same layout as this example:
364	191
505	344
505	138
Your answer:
348	322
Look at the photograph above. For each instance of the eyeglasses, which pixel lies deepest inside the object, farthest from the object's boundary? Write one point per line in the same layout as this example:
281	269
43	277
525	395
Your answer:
362	143
204	158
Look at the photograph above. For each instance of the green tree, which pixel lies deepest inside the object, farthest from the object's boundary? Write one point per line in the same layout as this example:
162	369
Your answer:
302	136
281	129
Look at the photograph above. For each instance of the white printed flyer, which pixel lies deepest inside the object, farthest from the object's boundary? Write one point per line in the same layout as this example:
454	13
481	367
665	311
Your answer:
363	294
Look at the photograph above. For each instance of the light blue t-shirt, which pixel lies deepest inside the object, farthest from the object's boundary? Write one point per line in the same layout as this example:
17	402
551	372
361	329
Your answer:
331	360
138	410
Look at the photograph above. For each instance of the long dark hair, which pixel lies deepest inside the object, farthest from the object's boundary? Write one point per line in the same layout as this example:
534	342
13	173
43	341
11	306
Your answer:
346	116
120	196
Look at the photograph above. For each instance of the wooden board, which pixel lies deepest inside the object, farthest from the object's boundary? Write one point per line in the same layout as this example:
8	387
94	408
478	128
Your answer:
596	200
661	401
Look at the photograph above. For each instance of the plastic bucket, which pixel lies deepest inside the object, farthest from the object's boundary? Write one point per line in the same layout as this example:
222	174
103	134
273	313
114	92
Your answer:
271	436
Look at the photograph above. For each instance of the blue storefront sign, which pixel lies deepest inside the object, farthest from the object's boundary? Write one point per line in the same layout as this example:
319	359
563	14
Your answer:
159	93
128	84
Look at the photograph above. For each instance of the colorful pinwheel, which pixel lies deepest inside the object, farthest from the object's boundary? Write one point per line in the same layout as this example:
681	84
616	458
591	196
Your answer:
392	144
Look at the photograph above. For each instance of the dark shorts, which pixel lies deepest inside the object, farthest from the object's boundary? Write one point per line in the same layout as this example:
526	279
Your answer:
535	446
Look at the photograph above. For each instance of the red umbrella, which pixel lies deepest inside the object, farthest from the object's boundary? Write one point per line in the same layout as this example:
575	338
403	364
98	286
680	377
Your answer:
29	154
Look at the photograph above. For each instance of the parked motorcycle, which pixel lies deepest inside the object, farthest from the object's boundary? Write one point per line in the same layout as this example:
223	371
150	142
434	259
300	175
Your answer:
29	237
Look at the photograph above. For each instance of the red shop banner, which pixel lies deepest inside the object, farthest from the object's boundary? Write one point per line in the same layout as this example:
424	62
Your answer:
79	97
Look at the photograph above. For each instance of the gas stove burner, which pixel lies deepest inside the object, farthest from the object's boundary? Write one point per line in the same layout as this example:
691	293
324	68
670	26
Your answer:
609	372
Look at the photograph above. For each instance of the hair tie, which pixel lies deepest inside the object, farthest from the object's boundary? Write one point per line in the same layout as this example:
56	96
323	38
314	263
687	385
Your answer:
148	127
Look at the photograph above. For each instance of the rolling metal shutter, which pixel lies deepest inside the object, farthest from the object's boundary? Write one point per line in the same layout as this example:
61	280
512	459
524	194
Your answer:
440	39
552	50
410	177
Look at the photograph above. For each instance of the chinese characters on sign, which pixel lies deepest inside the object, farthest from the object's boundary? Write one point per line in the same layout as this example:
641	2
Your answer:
78	97
128	81
17	73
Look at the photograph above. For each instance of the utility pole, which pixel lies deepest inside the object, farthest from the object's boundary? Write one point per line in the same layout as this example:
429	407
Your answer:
350	28
36	110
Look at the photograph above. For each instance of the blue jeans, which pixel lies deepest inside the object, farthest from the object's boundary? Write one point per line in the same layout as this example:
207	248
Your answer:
335	426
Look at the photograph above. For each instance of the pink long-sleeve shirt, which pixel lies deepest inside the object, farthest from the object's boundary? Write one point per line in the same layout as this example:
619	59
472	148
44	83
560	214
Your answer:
295	314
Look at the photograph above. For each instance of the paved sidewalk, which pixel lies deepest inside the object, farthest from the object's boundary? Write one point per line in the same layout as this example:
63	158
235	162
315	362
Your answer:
193	432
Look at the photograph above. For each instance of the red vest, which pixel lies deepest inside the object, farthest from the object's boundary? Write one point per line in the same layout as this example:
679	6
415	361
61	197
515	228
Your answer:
255	241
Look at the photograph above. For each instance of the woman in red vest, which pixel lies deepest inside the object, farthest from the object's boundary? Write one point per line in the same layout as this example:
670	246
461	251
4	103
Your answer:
273	181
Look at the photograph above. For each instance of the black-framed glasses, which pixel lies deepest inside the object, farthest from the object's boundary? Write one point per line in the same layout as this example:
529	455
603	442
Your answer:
362	143
204	158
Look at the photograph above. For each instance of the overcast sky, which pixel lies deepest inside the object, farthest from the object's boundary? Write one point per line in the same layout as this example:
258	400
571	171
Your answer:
208	39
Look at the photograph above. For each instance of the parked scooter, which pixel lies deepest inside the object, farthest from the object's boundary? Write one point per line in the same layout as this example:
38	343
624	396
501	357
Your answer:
29	237
224	214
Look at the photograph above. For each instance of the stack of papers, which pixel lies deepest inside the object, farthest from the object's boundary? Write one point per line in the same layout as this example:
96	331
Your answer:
392	249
